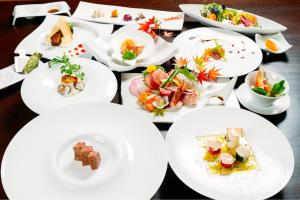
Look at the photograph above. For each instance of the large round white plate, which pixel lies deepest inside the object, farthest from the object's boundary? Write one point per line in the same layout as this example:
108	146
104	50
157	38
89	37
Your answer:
271	149
38	162
39	89
241	53
83	32
267	26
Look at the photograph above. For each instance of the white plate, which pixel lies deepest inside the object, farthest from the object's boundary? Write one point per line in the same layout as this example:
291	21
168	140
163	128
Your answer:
83	32
272	151
100	48
241	53
38	162
85	11
244	96
39	89
283	44
35	10
267	26
130	100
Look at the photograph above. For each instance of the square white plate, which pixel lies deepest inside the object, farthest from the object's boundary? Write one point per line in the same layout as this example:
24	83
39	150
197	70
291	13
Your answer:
169	117
85	11
83	32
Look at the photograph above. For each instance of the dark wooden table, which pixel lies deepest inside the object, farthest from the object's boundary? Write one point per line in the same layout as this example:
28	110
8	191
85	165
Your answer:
14	114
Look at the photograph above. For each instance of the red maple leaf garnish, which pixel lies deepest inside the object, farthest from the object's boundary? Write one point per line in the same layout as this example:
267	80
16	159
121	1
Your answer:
150	26
202	76
213	73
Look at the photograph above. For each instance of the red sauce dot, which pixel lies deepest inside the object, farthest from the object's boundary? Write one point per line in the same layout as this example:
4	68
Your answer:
80	45
77	54
83	50
69	51
76	49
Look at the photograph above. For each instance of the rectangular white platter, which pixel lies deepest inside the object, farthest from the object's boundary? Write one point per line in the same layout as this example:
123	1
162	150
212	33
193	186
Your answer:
85	11
169	117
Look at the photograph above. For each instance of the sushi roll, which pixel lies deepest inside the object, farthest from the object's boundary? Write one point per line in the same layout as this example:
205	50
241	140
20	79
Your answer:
94	159
227	160
64	90
79	85
233	137
214	146
242	153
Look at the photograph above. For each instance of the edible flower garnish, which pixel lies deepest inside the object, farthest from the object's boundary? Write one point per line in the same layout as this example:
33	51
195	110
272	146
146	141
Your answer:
216	52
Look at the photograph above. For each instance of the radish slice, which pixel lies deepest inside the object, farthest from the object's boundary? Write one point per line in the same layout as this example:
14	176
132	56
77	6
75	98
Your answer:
227	160
137	86
242	153
214	146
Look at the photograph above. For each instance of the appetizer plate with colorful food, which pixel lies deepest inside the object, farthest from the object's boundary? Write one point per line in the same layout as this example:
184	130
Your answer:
64	81
214	14
228	154
264	92
164	96
123	15
58	35
274	43
79	152
231	53
132	46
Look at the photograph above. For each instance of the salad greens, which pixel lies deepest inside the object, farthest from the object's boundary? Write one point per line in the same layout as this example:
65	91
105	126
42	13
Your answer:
66	67
277	89
129	55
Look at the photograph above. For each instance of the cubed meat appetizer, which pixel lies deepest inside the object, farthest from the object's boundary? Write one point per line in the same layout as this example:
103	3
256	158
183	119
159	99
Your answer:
94	159
77	150
85	152
214	146
227	160
242	153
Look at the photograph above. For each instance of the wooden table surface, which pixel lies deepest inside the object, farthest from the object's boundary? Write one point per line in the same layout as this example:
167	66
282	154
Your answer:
14	114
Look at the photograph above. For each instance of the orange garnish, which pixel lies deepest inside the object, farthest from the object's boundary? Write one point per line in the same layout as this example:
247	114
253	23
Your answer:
181	62
213	73
271	45
171	18
114	13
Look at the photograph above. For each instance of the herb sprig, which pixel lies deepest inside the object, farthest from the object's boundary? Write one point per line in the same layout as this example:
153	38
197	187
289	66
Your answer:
66	67
277	89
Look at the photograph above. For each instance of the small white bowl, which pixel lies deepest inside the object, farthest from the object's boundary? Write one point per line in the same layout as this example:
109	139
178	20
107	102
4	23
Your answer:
261	100
282	43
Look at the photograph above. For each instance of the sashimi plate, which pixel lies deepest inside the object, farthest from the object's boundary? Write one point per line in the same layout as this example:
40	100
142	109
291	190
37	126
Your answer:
129	100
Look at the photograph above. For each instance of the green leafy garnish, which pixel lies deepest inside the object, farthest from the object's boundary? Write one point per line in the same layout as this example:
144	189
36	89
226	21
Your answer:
129	55
277	89
186	72
170	78
260	91
66	67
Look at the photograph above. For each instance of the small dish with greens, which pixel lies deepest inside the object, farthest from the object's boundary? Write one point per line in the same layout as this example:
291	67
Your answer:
130	48
266	87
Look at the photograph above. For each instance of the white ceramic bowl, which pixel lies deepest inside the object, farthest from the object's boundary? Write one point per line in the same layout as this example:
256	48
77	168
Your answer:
272	78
